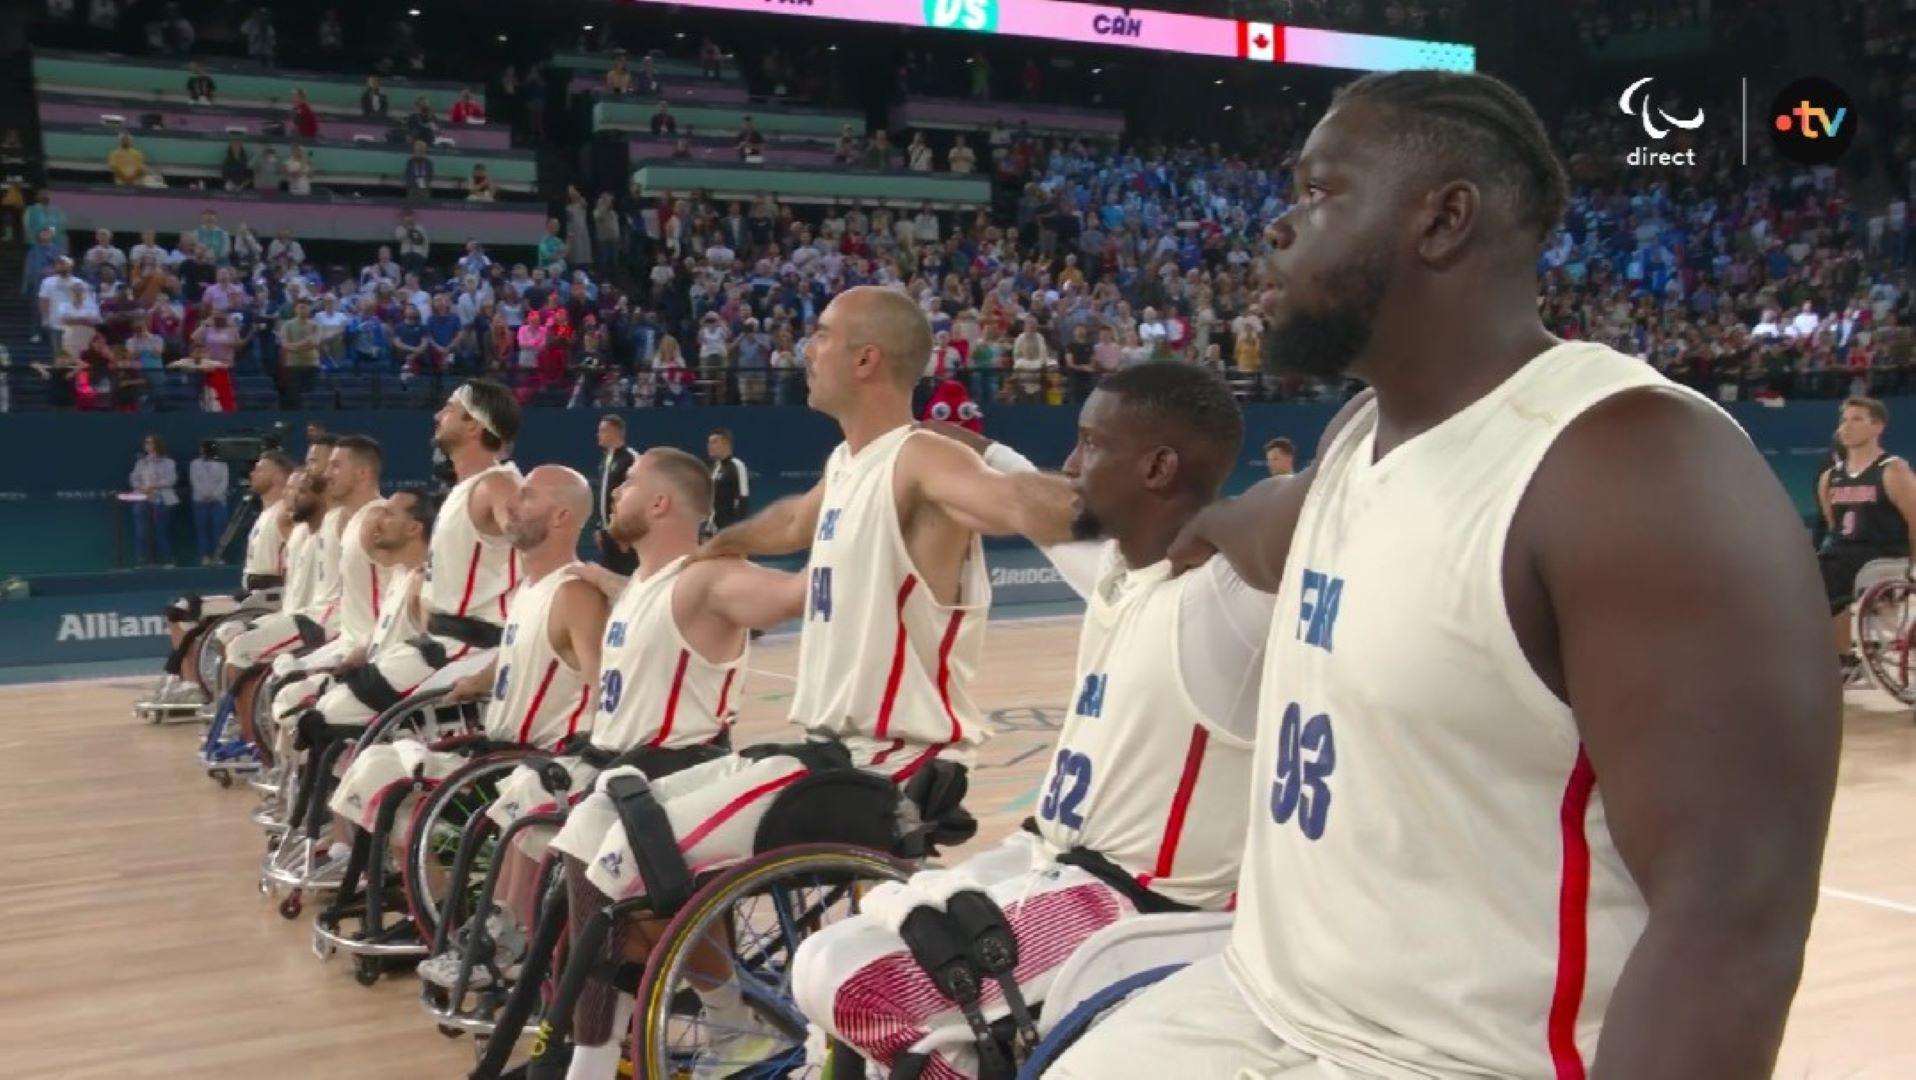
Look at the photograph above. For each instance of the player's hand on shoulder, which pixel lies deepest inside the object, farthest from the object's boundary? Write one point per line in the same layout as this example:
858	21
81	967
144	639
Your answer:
964	436
1190	549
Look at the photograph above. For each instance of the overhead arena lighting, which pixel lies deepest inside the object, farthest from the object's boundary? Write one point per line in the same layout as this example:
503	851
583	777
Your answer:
1131	28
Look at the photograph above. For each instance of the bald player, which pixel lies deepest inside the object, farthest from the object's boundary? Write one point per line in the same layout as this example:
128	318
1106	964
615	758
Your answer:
471	566
1143	808
540	679
1523	807
897	594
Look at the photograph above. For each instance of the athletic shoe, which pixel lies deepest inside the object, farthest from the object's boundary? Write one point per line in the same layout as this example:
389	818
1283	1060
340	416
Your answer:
736	1047
443	971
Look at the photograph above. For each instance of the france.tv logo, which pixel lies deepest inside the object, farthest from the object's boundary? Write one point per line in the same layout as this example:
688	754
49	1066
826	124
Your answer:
1812	121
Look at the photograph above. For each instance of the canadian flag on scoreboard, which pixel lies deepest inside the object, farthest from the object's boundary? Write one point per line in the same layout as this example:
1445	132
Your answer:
1257	41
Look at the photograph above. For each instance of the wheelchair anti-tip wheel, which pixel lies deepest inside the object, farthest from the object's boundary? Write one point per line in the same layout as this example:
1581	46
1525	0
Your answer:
734	942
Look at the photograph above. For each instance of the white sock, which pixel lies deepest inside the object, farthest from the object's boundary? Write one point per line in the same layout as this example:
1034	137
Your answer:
339	850
602	1062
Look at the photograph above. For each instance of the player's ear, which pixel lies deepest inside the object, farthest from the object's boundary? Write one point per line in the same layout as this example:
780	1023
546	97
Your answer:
1160	468
1447	218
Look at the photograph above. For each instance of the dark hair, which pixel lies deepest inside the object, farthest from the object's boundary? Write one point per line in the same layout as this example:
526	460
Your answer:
279	460
324	438
1193	400
1475	126
364	447
1281	443
688	474
500	407
617	422
1877	411
159	444
721	432
422	510
208	448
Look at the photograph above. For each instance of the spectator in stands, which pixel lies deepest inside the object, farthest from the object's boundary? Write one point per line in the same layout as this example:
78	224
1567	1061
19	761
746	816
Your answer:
200	86
711	60
44	215
371	341
305	120
262	40
247	250
299	172
960	158
299	339
479	184
467	110
334	325
715	347
663	122
1280	456
751	143
411	345
284	247
156	478
578	227
918	153
216	240
43	258
646	82
731	480
878	152
373	102
1030	358
607	234
475	261
415	247
331	36
421	125
980	76
846	150
418	172
269	172
127	163
102	254
618	80
78	314
171	33
236	172
551	255
442	329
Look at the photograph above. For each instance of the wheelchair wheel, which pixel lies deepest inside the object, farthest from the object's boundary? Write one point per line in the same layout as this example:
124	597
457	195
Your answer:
432	837
208	666
1885	634
760	911
1087	1014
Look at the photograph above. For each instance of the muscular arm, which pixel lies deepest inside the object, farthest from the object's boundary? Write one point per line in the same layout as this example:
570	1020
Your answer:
779	529
487	507
1899	482
577	626
1254	530
1715	754
950	477
752	596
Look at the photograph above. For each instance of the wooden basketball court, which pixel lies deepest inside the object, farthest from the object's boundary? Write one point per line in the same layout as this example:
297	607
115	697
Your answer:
133	942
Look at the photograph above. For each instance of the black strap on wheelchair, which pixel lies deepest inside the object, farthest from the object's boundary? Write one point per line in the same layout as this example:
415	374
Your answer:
657	761
655	847
176	659
311	634
994	951
940	948
1095	864
938	790
262	582
371	688
186	609
817	755
467	631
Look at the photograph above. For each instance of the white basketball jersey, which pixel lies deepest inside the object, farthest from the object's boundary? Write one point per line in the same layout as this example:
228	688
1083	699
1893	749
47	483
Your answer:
878	658
654	689
323	605
537	698
265	546
1430	887
1141	775
469	573
362	581
397	622
300	568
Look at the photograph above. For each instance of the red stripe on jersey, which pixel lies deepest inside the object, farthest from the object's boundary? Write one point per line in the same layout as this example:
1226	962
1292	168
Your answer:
532	710
725	693
1181	803
373	571
472	577
726	812
512	578
672	700
1573	911
897	659
572	722
944	673
271	649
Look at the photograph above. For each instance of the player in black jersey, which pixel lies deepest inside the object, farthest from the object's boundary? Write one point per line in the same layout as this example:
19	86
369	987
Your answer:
1868	499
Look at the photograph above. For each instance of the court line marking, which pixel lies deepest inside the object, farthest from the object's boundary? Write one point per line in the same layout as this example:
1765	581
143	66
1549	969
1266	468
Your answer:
1872	901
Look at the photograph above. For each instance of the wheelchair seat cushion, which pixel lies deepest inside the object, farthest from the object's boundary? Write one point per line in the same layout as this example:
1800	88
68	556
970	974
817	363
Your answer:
838	806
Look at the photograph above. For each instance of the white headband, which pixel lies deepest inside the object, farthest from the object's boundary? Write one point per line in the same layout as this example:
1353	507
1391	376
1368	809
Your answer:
465	399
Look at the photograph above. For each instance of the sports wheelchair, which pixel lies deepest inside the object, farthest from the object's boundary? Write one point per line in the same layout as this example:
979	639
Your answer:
1883	627
823	843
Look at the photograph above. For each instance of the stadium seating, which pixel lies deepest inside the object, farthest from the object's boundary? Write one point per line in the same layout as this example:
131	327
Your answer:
796	185
191	154
156	80
129	210
234	121
961	114
775	122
